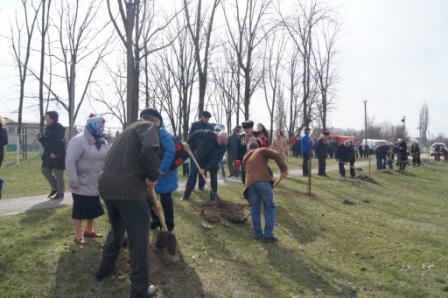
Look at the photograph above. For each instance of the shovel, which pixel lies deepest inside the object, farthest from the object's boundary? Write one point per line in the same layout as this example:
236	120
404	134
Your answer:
165	239
214	197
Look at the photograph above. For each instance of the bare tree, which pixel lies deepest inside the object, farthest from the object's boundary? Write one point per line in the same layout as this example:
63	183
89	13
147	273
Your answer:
21	39
115	105
248	34
423	123
137	34
294	91
200	31
182	67
226	77
273	55
162	86
78	42
325	71
280	119
44	25
300	26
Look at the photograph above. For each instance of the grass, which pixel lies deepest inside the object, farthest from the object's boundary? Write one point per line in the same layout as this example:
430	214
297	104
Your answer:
29	173
25	179
391	243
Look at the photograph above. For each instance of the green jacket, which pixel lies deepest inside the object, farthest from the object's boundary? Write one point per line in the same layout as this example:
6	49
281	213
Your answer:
134	156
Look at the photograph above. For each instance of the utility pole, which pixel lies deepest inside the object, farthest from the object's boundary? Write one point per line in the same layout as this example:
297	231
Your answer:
404	127
366	135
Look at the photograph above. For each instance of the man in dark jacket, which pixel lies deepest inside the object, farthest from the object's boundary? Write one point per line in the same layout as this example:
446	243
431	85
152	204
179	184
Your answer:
3	142
345	153
380	154
203	124
131	166
322	152
53	157
209	149
415	151
402	154
232	151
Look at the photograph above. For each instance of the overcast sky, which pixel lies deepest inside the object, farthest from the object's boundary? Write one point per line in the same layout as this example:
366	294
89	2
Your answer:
392	53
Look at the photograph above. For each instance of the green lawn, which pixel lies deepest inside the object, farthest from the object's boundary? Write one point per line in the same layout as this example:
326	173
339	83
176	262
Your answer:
391	243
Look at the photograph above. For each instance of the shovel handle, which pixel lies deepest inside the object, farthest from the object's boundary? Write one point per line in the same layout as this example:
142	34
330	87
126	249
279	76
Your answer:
199	167
159	208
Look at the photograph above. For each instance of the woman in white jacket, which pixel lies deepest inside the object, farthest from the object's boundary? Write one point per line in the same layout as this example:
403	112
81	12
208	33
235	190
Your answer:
85	158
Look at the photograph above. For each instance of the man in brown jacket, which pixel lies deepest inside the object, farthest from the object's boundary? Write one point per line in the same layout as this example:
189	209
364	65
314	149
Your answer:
258	187
132	164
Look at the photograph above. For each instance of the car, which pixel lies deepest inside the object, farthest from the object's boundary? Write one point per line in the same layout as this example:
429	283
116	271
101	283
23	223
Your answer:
442	146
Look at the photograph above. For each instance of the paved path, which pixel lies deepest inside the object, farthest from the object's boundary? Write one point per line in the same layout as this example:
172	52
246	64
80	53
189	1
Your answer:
30	204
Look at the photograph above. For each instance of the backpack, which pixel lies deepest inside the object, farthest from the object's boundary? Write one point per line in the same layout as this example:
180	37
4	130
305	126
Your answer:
180	156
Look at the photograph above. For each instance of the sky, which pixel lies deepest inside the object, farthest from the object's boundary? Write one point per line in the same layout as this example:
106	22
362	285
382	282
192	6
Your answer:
391	53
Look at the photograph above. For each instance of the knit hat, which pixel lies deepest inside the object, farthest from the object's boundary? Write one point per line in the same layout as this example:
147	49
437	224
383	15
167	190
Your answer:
149	112
206	114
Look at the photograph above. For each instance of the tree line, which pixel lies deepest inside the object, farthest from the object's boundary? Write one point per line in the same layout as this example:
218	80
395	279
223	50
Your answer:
229	57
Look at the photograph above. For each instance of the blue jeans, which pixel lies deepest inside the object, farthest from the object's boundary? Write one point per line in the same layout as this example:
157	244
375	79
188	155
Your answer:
261	192
379	161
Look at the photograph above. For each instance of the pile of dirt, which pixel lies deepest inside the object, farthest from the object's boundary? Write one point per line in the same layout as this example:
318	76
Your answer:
213	213
367	179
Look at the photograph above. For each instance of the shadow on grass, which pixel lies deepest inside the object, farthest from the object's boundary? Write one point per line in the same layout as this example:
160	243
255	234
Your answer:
74	275
298	227
311	277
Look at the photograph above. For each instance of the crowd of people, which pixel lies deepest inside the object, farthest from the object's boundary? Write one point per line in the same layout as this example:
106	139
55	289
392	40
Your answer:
145	157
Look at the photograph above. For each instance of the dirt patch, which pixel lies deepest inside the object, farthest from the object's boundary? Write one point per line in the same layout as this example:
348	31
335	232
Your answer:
367	179
348	202
212	213
163	267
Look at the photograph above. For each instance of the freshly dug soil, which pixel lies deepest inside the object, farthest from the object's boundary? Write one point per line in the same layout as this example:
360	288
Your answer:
212	213
348	202
367	179
162	266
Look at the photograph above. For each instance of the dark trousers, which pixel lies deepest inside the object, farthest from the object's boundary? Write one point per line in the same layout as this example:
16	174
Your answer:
306	159
132	217
322	166
379	162
167	204
201	183
191	181
416	160
342	168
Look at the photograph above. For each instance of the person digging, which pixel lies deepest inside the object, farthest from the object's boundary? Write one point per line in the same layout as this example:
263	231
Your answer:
258	187
208	148
131	166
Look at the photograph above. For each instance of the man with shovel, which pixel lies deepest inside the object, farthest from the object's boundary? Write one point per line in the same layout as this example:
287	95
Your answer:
258	187
131	166
208	148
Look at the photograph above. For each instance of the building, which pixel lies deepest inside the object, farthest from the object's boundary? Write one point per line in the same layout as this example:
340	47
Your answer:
29	133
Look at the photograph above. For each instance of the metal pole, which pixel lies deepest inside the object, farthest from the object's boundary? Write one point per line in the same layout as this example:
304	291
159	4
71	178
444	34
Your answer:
366	135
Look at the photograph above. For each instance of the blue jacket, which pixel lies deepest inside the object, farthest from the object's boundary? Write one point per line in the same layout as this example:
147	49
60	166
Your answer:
169	182
306	143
